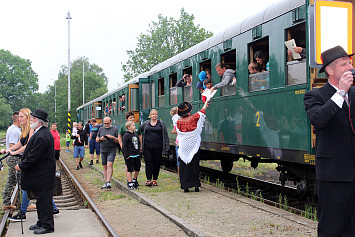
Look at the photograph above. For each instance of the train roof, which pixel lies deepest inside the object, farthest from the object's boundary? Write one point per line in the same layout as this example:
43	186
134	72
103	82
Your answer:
133	80
273	11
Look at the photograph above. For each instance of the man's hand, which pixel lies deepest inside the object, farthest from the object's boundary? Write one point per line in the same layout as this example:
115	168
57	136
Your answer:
86	146
212	89
346	80
17	168
3	151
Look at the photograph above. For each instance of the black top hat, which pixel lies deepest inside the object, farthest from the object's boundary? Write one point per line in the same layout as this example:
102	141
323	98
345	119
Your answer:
332	54
184	109
41	114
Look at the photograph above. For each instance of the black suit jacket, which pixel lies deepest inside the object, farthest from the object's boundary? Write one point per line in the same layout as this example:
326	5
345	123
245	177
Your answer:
38	163
335	140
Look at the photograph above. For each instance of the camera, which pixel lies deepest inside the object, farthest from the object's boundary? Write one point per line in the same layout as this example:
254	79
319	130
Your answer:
353	72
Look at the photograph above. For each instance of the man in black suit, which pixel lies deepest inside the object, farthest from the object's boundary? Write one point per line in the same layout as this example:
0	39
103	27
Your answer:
331	110
38	171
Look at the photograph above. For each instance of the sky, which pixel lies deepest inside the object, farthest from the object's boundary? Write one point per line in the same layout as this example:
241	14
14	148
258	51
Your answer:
100	30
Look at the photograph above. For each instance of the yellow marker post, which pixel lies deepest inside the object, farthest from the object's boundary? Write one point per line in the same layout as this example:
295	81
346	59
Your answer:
333	26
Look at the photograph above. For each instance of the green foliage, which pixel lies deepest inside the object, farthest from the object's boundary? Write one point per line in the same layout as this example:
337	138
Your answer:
5	113
95	86
17	79
164	39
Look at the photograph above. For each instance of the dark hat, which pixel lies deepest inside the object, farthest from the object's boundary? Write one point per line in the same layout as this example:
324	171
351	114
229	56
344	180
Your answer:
41	114
184	109
332	54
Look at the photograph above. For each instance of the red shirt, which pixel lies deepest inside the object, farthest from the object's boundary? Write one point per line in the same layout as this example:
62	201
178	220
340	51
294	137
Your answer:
191	124
56	137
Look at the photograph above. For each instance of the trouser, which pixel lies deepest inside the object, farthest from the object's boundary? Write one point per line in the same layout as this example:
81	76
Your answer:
45	208
336	208
152	159
26	202
12	161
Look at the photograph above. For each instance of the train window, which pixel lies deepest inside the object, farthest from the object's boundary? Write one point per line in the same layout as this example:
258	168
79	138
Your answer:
145	96
173	88
259	65
134	99
206	67
161	94
229	59
297	69
114	105
153	94
188	89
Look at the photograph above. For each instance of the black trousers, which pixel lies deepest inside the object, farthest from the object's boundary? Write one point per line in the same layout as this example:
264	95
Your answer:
336	208
152	159
45	209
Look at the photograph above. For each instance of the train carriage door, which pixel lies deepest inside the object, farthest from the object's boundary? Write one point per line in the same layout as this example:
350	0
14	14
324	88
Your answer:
133	100
144	99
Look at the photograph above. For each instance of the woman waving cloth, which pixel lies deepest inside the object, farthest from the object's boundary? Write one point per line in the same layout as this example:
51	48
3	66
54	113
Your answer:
189	128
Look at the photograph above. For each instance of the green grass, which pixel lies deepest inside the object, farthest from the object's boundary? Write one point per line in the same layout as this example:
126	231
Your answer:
110	196
2	133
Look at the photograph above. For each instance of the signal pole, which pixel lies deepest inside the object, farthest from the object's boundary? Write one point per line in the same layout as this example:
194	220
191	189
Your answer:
69	117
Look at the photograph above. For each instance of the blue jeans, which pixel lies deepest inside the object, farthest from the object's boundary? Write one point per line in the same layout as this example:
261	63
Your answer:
26	201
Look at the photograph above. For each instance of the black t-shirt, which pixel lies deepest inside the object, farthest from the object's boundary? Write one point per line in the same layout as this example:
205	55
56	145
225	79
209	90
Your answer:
153	136
94	131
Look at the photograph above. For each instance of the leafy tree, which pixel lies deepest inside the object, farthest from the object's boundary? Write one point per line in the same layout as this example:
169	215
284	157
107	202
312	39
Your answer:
95	86
5	114
164	39
17	79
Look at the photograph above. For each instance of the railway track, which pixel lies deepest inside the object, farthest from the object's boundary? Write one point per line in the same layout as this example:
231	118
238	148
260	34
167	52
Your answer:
73	197
270	193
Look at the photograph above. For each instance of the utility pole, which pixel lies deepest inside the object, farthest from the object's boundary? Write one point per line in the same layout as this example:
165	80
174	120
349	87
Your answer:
69	117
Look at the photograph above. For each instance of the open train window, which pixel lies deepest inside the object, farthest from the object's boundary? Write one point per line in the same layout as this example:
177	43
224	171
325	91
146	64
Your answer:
297	68
114	105
206	67
259	65
188	89
229	60
161	94
173	88
153	93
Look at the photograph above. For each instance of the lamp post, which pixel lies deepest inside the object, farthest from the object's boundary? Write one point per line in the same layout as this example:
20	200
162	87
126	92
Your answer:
69	117
55	102
78	64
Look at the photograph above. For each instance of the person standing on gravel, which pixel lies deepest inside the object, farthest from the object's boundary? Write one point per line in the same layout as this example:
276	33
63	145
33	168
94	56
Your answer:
189	128
108	139
13	134
93	145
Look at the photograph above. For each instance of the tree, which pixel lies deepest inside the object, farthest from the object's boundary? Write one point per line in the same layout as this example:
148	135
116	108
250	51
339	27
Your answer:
17	79
5	114
165	38
95	86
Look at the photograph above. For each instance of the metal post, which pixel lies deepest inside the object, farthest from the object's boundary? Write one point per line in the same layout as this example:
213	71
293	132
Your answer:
69	119
83	84
55	102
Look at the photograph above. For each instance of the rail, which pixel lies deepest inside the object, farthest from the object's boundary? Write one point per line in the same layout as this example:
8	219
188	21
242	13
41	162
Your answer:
91	203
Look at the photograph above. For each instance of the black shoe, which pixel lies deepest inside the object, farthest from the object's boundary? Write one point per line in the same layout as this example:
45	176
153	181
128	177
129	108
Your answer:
55	212
17	217
78	168
34	227
91	162
97	162
108	185
80	165
130	186
42	230
186	190
135	182
197	189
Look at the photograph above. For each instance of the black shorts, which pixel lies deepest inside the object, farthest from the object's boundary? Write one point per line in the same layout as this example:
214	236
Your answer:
56	154
133	163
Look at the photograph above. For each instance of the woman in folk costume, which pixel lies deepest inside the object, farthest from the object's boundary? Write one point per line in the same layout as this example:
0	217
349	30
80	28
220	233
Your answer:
189	128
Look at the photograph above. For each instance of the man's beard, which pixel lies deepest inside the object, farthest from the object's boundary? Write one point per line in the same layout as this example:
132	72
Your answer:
34	125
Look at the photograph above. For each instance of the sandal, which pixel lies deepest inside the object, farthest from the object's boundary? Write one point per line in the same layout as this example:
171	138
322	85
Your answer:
154	183
148	183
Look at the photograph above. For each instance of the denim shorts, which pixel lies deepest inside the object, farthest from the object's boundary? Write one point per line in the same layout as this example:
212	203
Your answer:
79	151
108	156
93	145
68	143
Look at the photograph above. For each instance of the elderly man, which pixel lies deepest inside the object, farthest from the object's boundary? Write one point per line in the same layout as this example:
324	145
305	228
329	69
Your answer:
108	137
38	171
331	112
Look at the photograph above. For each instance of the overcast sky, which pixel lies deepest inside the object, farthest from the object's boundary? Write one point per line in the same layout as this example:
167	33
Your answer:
100	30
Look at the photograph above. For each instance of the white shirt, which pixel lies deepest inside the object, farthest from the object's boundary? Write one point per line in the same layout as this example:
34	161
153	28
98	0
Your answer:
338	99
